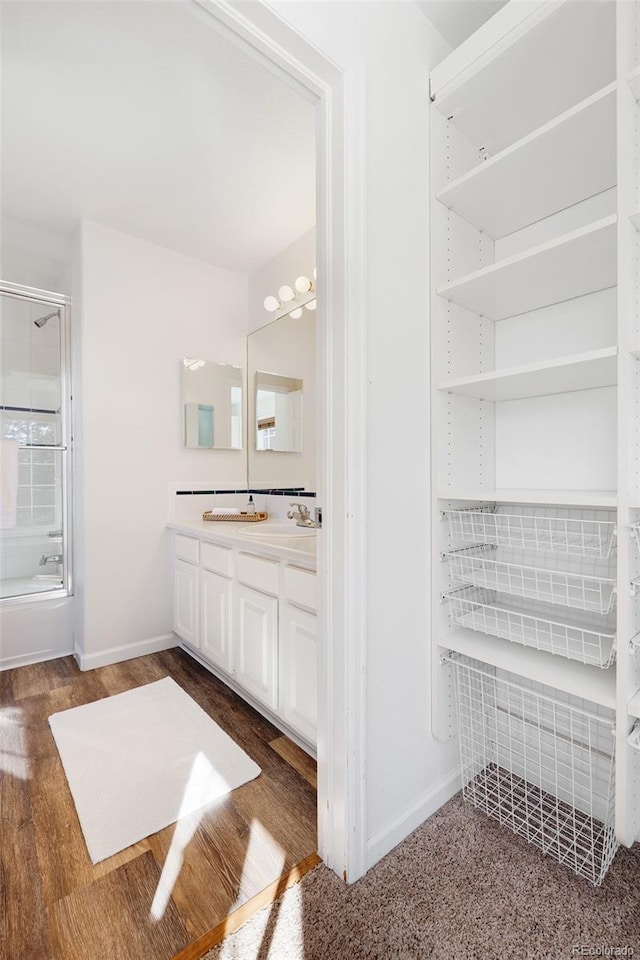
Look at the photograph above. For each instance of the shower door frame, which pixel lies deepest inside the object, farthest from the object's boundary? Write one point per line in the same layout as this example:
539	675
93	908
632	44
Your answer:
48	298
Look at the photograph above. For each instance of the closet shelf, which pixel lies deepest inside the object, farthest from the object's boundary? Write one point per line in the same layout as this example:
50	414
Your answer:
566	498
493	569
569	266
634	82
579	637
547	529
555	167
581	371
514	74
578	679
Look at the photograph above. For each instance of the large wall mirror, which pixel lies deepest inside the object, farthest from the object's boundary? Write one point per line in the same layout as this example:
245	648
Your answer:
281	369
211	404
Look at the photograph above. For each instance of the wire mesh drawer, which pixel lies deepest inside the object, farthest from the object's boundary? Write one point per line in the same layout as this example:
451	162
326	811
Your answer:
540	763
573	533
475	565
589	638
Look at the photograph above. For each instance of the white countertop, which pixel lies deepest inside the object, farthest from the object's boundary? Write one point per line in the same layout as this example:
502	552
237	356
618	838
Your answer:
303	554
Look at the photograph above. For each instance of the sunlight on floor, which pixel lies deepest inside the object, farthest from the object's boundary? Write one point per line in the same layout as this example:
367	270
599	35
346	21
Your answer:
13	758
203	782
264	858
255	940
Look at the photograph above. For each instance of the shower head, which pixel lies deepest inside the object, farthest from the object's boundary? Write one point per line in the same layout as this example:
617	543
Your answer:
40	322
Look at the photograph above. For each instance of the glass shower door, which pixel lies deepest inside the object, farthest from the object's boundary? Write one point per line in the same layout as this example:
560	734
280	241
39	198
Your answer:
34	559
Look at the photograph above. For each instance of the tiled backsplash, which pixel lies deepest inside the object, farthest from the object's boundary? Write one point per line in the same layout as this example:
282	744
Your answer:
189	505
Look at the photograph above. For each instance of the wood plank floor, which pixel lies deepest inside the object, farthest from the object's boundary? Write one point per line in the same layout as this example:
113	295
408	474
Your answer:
56	905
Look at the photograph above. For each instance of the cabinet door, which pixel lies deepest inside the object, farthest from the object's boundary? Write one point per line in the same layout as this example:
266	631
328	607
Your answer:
256	644
186	602
215	631
298	671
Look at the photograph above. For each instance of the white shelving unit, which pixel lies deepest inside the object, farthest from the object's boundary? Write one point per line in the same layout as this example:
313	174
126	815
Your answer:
573	265
549	161
535	373
584	371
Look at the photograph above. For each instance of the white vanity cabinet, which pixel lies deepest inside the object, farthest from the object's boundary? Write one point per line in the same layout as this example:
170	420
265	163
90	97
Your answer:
186	593
298	681
252	620
256	644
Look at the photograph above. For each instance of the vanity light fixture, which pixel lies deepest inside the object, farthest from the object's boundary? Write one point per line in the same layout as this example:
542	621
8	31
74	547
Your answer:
286	294
271	304
303	284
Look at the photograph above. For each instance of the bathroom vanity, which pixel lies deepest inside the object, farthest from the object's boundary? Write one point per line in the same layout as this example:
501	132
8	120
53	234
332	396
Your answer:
245	607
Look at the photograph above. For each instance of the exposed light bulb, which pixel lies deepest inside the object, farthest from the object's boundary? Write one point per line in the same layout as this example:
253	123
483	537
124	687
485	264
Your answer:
296	314
271	304
303	284
312	304
286	294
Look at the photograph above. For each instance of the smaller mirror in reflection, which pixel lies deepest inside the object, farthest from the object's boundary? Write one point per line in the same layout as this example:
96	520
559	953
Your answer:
212	404
278	413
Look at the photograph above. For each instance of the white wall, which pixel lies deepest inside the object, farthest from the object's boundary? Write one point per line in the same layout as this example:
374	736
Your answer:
34	256
138	309
408	773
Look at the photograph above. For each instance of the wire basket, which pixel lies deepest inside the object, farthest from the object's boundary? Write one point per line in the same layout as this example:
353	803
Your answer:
535	625
635	533
547	529
482	567
540	763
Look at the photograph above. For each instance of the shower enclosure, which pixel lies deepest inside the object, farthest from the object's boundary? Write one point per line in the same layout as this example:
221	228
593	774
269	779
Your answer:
35	562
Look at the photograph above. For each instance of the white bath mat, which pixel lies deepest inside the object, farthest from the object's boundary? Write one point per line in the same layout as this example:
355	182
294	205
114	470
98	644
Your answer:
140	760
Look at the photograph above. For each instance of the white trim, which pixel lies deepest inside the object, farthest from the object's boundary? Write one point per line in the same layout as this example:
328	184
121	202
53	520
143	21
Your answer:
420	810
127	651
339	94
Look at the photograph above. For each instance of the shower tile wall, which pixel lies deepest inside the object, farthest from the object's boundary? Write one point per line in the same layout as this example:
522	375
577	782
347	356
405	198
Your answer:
30	381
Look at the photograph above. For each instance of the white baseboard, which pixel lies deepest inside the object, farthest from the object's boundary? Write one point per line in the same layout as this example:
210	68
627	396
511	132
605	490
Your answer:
128	651
392	833
9	663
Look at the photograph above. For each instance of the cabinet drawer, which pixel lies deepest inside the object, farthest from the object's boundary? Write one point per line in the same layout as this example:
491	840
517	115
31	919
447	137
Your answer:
300	587
216	558
257	572
187	548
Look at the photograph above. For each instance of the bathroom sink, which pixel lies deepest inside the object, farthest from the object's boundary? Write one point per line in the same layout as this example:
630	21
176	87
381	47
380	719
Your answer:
276	530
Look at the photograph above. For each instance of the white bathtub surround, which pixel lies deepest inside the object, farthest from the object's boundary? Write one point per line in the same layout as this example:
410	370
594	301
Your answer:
8	483
43	628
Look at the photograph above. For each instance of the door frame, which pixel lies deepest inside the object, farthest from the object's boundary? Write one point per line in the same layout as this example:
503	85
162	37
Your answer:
338	93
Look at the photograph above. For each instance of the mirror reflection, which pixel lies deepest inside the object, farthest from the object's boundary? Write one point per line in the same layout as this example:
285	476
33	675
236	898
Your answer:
278	413
212	404
281	376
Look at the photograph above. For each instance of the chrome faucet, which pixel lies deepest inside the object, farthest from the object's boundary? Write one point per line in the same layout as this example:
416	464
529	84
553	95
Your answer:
52	558
301	515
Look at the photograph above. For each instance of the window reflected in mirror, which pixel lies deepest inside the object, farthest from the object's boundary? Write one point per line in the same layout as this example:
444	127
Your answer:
278	413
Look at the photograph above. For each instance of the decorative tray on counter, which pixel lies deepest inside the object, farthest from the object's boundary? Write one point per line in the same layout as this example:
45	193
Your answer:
236	517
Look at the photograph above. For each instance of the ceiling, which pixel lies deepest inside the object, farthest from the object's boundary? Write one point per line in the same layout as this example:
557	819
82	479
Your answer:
142	117
455	20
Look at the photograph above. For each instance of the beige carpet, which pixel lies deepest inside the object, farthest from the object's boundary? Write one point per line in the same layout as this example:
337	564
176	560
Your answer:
459	888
